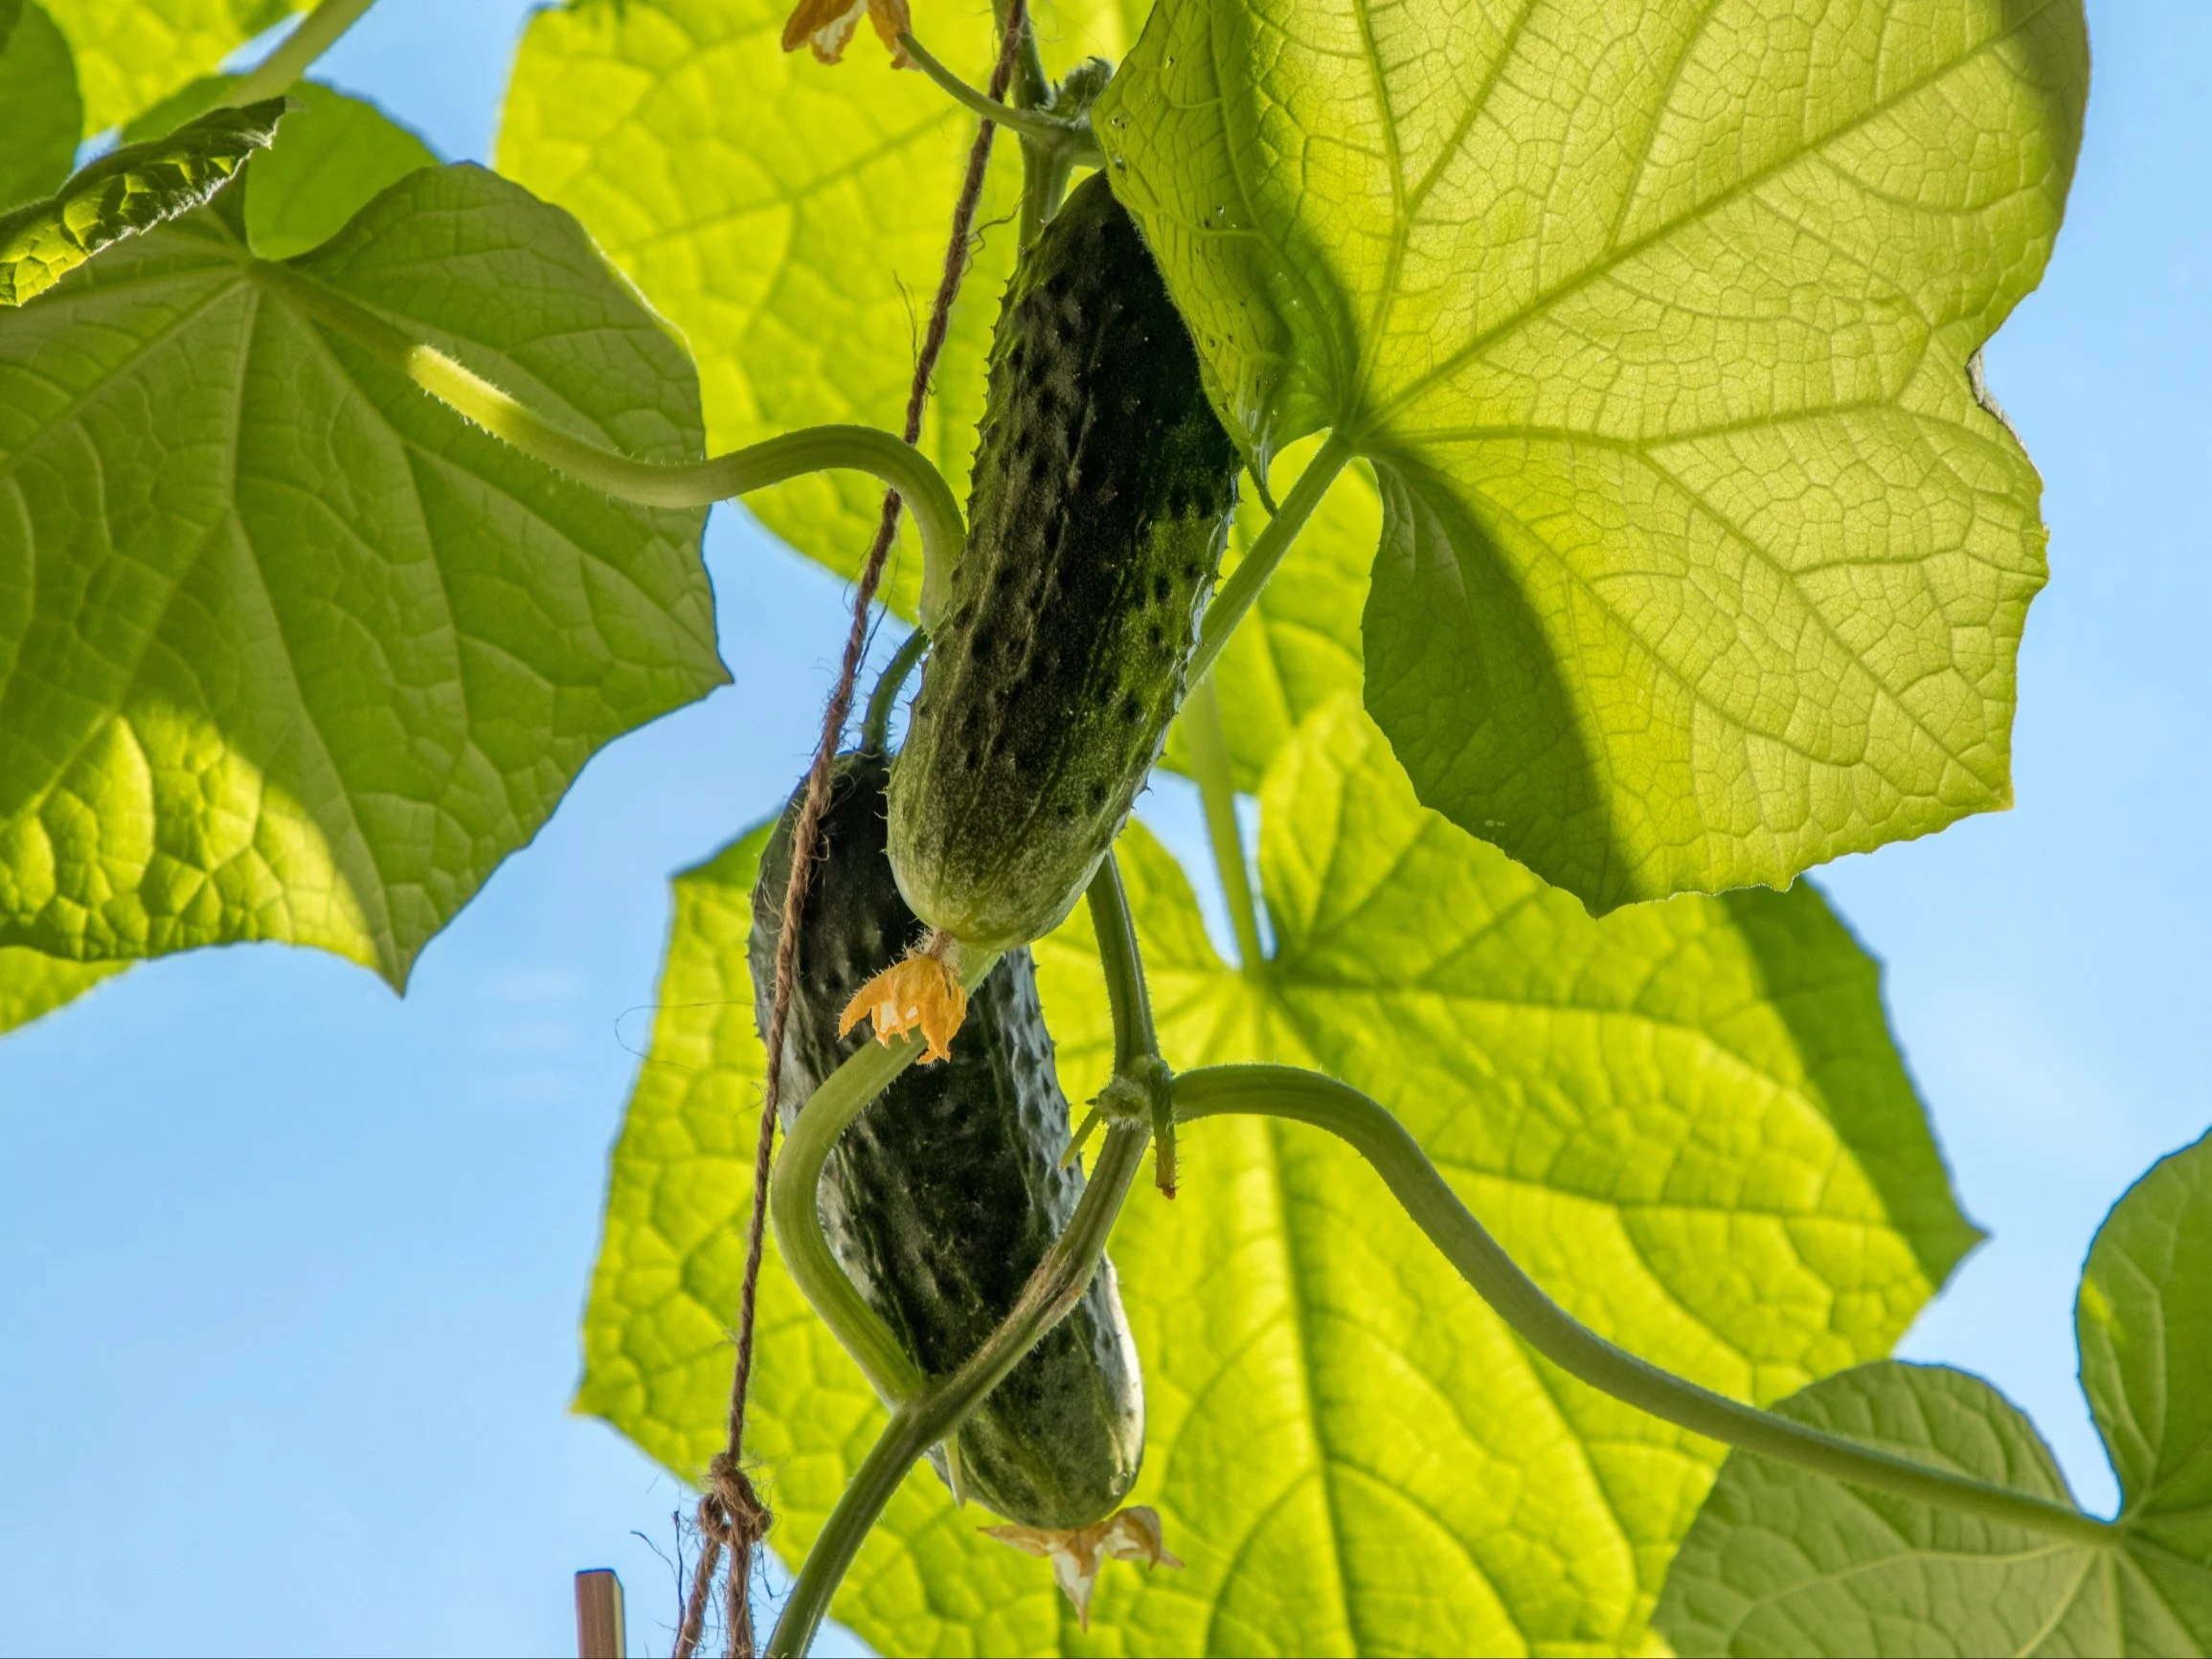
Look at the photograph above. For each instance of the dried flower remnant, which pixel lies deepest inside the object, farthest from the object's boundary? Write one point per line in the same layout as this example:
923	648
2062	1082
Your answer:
828	26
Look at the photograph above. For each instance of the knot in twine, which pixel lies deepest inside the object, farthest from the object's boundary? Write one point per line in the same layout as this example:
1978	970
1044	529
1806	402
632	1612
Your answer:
730	1511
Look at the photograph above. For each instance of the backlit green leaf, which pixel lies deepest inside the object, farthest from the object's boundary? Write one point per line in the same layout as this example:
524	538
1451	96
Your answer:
133	54
1783	1561
789	217
32	983
38	94
294	652
334	154
1687	1120
1705	558
127	191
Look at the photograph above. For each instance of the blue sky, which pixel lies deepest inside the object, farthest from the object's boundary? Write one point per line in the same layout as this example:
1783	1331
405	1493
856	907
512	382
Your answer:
294	1269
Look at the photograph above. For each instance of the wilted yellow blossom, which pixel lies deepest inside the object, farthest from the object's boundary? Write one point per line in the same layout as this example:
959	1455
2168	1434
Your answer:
920	994
1130	1535
827	24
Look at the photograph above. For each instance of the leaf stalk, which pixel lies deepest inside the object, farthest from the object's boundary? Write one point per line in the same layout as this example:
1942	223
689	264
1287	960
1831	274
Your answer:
1207	739
1307	1097
1051	131
1235	595
876	724
292	57
653	483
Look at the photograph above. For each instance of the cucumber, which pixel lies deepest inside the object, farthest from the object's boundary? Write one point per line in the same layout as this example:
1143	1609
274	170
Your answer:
1103	490
944	1195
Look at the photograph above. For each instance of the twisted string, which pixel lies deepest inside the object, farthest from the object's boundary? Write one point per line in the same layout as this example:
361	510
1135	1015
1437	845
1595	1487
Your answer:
731	1518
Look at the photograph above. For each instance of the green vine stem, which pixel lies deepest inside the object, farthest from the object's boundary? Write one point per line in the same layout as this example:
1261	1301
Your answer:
1307	1097
876	724
1236	594
654	483
1139	1090
1128	995
936	1412
1047	130
291	57
793	1208
1208	743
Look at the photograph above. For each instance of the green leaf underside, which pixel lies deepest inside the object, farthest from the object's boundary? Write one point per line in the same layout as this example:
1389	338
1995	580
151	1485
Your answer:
790	218
38	91
1300	644
1687	1121
32	983
1783	1561
1703	561
125	193
288	650
133	54
335	154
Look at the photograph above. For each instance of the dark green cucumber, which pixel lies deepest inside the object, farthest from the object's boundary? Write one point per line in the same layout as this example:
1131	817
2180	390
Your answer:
1103	491
945	1194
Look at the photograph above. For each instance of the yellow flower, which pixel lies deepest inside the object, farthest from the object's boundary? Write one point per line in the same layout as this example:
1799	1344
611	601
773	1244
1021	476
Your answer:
827	24
1130	1535
920	994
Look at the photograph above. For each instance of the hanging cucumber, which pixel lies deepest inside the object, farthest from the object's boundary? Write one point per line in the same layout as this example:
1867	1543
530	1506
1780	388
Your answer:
1103	491
945	1194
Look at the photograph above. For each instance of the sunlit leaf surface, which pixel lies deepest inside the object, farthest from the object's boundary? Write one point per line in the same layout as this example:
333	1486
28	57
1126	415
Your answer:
133	54
1705	560
32	983
307	655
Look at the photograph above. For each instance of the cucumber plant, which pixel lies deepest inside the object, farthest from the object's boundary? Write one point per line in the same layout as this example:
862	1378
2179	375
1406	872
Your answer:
1604	384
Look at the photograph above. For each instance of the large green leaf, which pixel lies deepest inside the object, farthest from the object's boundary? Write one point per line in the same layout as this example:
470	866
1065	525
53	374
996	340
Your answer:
1687	1120
288	650
1705	558
127	191
133	54
1783	1561
789	217
38	91
32	983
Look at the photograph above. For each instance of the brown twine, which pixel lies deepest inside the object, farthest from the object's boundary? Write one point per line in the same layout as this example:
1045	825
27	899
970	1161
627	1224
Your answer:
731	1518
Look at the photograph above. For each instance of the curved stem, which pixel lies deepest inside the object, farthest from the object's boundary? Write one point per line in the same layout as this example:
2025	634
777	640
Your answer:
937	1411
795	1212
1236	594
1044	185
1208	742
1307	1097
318	32
1127	994
1049	130
649	484
1139	1084
876	724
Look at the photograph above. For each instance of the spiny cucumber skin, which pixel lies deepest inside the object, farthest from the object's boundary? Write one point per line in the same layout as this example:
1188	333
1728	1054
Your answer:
1104	486
947	1191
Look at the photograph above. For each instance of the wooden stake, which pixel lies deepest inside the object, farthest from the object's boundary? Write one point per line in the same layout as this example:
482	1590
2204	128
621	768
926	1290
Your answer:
600	1633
